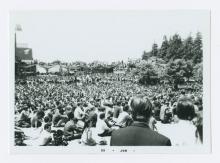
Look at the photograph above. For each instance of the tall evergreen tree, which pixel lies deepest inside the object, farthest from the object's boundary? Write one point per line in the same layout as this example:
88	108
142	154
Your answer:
163	50
197	49
154	51
175	48
188	48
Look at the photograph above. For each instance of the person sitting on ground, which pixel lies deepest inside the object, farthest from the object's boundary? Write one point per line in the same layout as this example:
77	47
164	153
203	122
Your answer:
165	114
24	119
36	120
59	139
49	114
19	137
90	135
102	128
109	119
124	119
139	133
45	136
59	119
44	139
117	110
71	131
46	120
79	113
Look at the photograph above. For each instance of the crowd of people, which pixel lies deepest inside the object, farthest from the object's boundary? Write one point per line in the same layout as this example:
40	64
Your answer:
94	107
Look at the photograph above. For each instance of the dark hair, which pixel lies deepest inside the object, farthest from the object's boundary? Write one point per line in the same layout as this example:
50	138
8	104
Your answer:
59	133
101	109
85	105
141	108
61	111
46	126
46	119
40	113
118	103
102	116
75	120
126	108
185	109
183	92
57	103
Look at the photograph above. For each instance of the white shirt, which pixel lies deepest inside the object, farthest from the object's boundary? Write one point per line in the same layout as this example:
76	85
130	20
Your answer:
91	135
162	112
180	134
78	113
122	118
40	140
101	126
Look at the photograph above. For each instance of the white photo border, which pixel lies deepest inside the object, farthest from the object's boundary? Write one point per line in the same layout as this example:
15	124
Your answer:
204	149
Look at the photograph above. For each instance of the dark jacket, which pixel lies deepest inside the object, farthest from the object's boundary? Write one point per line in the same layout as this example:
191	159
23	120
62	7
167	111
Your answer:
138	134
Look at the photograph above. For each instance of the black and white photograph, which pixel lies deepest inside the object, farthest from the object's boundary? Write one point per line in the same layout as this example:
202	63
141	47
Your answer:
110	81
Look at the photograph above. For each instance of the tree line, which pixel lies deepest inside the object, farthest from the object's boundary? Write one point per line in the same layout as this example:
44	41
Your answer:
179	60
177	48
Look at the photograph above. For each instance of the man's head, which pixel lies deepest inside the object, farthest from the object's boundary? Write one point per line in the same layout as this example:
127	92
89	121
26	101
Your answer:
46	119
40	114
102	116
141	108
126	108
61	111
185	108
47	127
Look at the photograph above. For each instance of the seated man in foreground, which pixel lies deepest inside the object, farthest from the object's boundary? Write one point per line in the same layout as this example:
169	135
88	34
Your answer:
71	131
139	133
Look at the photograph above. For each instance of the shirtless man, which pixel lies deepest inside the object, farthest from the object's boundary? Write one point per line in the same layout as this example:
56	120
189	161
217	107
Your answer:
59	118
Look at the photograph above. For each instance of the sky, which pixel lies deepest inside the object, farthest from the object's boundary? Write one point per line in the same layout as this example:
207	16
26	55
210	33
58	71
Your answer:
102	35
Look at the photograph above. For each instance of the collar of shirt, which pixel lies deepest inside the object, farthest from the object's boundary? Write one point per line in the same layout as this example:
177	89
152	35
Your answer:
140	124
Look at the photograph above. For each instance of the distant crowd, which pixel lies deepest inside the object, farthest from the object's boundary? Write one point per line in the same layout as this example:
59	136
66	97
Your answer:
92	108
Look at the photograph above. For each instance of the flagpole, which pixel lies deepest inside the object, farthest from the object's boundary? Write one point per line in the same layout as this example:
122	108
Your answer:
17	28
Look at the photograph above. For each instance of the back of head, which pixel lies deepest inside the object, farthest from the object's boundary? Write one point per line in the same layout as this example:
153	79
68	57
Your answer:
102	116
40	113
47	126
59	133
126	108
61	110
118	103
46	119
141	108
185	109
